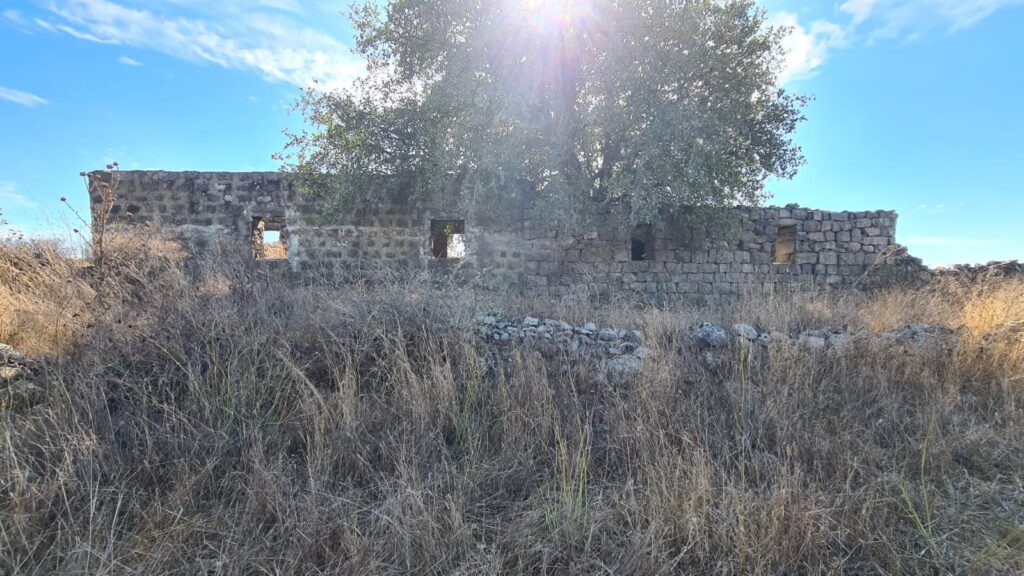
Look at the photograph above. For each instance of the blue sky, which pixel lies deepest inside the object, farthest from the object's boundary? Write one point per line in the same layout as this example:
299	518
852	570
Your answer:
917	103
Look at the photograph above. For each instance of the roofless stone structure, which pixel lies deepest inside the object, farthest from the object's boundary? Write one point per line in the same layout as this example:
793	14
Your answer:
261	216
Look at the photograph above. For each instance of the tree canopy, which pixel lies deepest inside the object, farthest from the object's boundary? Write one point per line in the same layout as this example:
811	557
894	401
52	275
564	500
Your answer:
655	107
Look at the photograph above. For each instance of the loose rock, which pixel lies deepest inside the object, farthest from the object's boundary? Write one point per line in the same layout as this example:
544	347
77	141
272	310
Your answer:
711	336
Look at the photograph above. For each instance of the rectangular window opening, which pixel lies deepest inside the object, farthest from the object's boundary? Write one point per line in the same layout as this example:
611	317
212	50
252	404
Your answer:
641	246
784	251
269	238
448	239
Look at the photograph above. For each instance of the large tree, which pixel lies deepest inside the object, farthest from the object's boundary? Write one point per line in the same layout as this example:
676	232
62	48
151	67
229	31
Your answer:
657	107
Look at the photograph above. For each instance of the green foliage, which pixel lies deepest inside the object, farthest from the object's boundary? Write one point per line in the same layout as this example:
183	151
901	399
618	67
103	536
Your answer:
649	107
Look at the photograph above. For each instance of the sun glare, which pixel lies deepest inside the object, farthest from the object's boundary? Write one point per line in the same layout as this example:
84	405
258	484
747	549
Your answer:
550	14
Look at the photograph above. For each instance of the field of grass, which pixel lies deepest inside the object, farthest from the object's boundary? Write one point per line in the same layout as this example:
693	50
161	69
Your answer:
213	422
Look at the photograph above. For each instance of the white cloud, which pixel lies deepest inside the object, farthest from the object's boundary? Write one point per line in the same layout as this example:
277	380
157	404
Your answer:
22	98
860	10
128	61
293	6
913	18
806	50
941	207
14	16
948	241
270	44
9	196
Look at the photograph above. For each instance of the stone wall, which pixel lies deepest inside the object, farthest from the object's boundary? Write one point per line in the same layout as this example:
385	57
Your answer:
217	209
831	249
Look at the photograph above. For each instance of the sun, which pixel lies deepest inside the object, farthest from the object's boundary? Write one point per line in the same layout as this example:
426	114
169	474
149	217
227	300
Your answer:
547	15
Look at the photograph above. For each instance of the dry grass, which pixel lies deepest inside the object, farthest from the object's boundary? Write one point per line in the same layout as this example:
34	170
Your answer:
42	296
220	424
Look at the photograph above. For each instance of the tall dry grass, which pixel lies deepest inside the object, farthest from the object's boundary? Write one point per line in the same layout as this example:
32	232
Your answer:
217	422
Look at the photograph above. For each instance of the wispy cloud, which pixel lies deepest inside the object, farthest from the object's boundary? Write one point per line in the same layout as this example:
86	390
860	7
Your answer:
932	208
292	6
21	97
9	196
948	241
50	26
14	16
806	48
893	18
860	10
269	43
128	61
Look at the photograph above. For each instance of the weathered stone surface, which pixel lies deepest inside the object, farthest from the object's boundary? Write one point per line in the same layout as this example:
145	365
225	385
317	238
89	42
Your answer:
11	357
923	338
14	364
811	342
625	365
745	331
216	209
975	272
711	336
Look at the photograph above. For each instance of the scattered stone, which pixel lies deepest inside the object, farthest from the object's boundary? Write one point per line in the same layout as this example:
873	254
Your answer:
746	331
622	353
977	272
838	341
13	364
711	360
16	387
811	342
11	357
625	365
554	335
923	338
10	372
711	336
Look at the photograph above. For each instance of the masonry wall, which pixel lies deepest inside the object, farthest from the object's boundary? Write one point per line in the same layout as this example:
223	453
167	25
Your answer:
215	211
831	249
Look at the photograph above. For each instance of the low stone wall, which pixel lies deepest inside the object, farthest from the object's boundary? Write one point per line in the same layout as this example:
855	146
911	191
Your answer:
788	246
978	272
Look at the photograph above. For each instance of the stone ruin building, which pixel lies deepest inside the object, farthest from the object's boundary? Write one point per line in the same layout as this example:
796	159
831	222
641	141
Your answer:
261	217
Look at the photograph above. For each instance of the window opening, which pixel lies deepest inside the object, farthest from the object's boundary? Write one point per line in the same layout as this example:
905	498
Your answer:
448	239
641	246
269	238
638	249
785	245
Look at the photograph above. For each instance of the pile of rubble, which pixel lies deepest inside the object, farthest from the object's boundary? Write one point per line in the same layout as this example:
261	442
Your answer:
622	350
714	342
13	364
16	375
975	272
